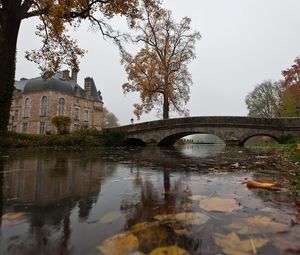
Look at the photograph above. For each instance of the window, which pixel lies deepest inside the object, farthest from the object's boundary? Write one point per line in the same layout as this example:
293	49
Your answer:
25	127
61	107
44	103
76	113
27	108
76	127
42	128
86	115
16	115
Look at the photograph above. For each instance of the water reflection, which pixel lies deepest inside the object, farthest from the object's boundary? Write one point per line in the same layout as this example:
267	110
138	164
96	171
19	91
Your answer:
202	150
54	202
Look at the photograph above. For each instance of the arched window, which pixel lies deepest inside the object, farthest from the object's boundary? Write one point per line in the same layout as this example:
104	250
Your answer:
27	107
61	107
44	106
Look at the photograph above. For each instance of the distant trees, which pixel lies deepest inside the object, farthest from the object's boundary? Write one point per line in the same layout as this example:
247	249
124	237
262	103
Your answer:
265	100
109	119
159	72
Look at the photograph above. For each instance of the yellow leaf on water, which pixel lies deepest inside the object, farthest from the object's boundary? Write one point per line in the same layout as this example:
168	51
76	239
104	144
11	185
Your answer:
12	216
218	204
197	197
194	218
170	250
120	244
232	245
258	224
110	217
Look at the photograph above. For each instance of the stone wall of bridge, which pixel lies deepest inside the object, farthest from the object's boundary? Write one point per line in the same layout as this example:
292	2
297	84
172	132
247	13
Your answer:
232	130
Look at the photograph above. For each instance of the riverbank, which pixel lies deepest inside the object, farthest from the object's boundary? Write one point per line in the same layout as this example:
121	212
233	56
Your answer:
80	138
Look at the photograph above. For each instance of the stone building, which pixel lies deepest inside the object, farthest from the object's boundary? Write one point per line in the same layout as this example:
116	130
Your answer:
36	101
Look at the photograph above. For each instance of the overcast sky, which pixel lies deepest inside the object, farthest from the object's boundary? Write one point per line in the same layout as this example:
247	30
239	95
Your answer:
244	42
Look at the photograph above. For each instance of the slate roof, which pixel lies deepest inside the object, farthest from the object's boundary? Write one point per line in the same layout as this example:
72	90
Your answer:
39	84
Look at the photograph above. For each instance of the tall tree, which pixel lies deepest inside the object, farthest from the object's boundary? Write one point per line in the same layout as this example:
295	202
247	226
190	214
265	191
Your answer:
159	71
265	100
56	17
109	120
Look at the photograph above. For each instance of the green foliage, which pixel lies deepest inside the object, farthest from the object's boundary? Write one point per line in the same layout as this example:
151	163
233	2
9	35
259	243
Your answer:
110	138
295	184
265	100
80	138
62	123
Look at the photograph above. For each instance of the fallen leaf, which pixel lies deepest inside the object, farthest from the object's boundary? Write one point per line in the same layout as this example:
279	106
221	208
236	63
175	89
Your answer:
289	242
120	244
170	250
13	216
110	217
185	217
232	245
197	197
218	204
258	224
181	232
261	185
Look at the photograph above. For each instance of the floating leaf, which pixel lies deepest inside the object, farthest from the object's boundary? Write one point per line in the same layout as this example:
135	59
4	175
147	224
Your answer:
170	250
120	244
258	224
218	204
261	185
181	232
232	245
13	216
110	217
197	197
143	226
185	217
289	242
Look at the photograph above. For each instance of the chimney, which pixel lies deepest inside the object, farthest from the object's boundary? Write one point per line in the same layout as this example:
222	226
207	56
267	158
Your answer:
74	74
88	86
66	75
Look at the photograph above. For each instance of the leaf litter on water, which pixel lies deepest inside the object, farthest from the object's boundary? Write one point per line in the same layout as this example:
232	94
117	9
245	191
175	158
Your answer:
110	217
169	250
231	244
257	225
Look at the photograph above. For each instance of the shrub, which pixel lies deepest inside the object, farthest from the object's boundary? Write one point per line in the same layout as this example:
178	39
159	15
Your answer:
62	123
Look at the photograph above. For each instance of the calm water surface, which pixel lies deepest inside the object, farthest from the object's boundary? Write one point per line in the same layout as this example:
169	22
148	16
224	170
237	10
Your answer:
63	202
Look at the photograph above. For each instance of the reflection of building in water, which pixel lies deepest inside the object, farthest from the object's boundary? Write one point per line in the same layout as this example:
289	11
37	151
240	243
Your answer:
46	180
52	189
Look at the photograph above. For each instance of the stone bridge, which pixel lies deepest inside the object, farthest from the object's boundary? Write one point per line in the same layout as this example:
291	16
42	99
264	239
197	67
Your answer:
232	130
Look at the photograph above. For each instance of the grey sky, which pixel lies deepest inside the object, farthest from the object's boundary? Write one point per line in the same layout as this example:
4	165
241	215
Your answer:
244	42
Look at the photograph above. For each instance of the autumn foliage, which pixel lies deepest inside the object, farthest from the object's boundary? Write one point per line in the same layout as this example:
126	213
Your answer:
292	74
159	71
57	17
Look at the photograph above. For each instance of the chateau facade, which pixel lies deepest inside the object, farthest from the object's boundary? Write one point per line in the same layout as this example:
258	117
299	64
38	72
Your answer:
36	101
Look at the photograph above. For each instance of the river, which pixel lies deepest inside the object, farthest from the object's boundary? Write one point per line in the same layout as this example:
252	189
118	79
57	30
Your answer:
185	200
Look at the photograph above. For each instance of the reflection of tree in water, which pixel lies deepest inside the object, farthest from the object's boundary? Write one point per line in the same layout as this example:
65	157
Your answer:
153	202
48	187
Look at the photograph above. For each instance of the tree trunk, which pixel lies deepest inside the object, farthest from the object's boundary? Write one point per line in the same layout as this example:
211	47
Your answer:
166	107
9	29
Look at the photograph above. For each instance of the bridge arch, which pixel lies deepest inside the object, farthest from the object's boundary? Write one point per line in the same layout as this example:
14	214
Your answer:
134	142
170	140
259	135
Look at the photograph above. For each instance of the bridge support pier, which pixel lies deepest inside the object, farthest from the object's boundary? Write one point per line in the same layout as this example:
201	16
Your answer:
233	142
